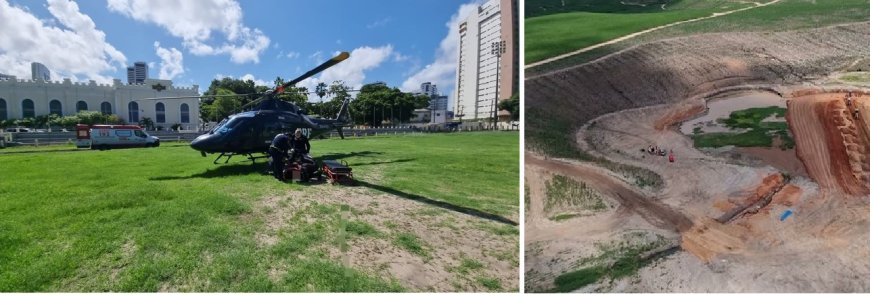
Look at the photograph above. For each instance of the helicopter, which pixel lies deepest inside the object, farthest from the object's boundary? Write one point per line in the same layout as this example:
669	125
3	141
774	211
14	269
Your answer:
251	132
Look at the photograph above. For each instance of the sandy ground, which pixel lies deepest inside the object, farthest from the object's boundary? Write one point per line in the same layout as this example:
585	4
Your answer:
821	247
448	235
556	247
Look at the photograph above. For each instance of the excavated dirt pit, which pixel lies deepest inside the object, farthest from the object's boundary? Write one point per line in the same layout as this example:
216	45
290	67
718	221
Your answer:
750	247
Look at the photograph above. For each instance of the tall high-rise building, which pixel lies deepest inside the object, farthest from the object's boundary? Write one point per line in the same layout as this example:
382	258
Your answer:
39	72
138	73
429	89
488	61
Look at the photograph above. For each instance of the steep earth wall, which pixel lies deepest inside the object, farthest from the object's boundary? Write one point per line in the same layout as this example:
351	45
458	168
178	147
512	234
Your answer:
675	69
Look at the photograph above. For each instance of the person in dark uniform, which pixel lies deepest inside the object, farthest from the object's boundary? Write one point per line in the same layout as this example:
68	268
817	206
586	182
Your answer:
278	151
299	144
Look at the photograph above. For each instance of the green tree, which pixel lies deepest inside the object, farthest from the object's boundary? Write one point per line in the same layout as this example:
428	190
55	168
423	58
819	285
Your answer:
377	103
320	90
223	107
91	117
24	122
512	106
41	121
147	123
232	85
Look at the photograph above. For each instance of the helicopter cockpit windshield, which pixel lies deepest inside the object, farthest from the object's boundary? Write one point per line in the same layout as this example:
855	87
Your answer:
217	126
232	123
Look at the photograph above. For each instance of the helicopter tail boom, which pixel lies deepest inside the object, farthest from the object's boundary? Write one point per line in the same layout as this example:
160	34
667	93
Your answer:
343	112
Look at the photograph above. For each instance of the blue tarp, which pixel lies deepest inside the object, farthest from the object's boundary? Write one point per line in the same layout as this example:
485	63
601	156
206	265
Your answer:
785	215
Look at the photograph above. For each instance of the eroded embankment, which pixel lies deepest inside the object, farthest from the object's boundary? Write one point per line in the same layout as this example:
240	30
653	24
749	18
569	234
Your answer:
832	139
676	69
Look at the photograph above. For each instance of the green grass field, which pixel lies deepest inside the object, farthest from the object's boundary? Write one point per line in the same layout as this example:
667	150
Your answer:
164	218
551	35
784	15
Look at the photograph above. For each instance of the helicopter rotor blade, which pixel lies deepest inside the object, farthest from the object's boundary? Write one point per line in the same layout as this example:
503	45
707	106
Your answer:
255	101
329	63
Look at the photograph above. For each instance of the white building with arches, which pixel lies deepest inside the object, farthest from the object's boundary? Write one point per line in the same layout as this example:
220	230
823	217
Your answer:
30	98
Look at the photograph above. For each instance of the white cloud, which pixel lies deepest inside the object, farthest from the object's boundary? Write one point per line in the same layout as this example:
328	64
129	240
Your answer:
317	57
379	23
442	71
171	62
398	57
293	55
194	21
352	71
257	82
76	49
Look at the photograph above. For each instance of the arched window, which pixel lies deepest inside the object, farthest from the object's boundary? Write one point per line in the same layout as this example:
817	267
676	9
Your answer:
106	108
54	107
161	112
185	113
27	109
2	109
81	106
133	111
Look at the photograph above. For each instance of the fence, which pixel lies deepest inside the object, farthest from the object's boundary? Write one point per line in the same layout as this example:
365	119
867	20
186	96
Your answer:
55	138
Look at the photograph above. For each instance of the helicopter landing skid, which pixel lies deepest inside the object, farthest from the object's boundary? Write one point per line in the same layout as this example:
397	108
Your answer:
250	156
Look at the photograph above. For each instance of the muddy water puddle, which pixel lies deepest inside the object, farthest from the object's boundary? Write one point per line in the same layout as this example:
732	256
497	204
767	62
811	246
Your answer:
721	108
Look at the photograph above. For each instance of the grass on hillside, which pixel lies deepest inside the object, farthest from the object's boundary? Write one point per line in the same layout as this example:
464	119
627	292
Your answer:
564	193
552	35
856	77
782	16
759	134
535	8
152	219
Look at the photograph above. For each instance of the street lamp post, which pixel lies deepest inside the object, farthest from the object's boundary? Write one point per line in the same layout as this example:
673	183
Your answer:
498	48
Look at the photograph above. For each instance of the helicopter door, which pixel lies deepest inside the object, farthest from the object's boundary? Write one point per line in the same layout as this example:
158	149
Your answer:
251	135
270	130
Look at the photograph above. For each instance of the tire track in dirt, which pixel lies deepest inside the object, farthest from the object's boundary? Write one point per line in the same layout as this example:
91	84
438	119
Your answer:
656	213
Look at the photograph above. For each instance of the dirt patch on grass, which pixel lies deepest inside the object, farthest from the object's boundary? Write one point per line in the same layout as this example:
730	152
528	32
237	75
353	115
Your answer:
422	246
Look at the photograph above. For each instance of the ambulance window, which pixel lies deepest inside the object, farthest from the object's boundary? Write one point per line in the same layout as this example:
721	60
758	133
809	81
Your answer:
140	133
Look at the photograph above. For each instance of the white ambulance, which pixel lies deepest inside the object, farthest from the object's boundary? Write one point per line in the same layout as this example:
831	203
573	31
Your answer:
104	137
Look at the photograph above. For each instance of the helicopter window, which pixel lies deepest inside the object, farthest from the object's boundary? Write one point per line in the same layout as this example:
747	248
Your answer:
218	126
232	123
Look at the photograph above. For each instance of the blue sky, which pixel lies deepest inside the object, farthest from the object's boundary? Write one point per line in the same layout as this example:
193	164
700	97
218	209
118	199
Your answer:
400	42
